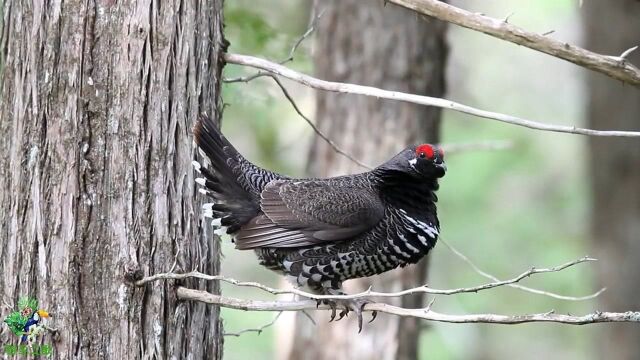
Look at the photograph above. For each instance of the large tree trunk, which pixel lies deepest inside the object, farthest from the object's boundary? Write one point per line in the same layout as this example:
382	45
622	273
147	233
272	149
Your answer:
366	43
98	99
612	27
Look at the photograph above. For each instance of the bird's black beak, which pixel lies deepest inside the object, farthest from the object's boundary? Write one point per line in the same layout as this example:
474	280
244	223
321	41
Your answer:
441	168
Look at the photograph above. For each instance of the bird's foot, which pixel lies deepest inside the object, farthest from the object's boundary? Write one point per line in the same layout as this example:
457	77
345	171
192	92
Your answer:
348	305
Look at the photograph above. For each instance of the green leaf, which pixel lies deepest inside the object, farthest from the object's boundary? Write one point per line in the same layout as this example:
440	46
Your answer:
27	301
16	322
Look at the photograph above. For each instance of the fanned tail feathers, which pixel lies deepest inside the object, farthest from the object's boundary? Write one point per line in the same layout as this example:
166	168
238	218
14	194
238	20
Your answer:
224	179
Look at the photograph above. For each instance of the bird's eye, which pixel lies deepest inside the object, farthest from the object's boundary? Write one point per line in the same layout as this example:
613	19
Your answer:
425	151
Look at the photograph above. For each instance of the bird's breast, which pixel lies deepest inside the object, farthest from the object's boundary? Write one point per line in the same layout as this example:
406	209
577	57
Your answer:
410	237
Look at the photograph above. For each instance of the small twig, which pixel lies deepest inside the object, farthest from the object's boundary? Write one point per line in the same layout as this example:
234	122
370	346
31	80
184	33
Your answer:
345	88
546	33
622	59
430	305
318	132
518	286
506	20
255	305
368	293
607	65
626	53
245	78
258	330
310	29
312	26
305	313
313	126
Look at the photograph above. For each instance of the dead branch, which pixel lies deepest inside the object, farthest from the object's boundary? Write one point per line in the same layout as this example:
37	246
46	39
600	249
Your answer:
258	330
425	314
365	294
345	88
477	269
449	148
313	21
310	29
313	126
613	66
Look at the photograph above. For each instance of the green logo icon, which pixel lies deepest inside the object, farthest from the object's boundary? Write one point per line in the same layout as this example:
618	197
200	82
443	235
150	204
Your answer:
27	323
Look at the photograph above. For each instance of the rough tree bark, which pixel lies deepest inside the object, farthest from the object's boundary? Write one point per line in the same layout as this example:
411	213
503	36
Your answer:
612	27
366	43
97	104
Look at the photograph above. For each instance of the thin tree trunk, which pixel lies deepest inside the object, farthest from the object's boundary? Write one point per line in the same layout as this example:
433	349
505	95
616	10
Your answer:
98	99
611	27
366	43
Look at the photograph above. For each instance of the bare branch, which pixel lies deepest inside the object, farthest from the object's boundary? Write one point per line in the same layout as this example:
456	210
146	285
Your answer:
425	314
245	78
412	98
608	65
318	132
258	330
450	148
312	26
368	293
324	137
310	29
308	316
518	286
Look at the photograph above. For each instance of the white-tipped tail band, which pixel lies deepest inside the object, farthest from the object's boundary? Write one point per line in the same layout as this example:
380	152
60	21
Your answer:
196	165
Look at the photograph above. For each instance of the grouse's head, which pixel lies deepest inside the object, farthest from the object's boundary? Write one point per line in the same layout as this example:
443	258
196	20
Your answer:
423	161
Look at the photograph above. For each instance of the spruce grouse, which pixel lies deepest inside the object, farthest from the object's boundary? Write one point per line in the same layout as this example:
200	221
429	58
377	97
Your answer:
321	232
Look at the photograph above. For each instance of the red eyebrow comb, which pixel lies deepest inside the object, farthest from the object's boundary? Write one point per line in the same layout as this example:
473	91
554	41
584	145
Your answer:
425	149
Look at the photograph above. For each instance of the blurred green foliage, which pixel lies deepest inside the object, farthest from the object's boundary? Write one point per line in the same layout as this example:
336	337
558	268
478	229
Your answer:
506	210
253	32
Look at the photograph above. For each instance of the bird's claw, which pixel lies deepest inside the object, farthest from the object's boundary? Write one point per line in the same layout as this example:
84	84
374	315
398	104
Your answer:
344	313
374	314
333	307
355	305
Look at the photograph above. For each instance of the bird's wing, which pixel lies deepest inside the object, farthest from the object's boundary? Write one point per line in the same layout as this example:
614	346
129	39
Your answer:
305	213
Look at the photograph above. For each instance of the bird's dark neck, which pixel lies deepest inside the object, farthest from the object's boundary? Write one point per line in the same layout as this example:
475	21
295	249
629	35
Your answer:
405	191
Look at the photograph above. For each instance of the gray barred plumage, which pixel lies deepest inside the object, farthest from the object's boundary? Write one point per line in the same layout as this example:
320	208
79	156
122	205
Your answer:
321	232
